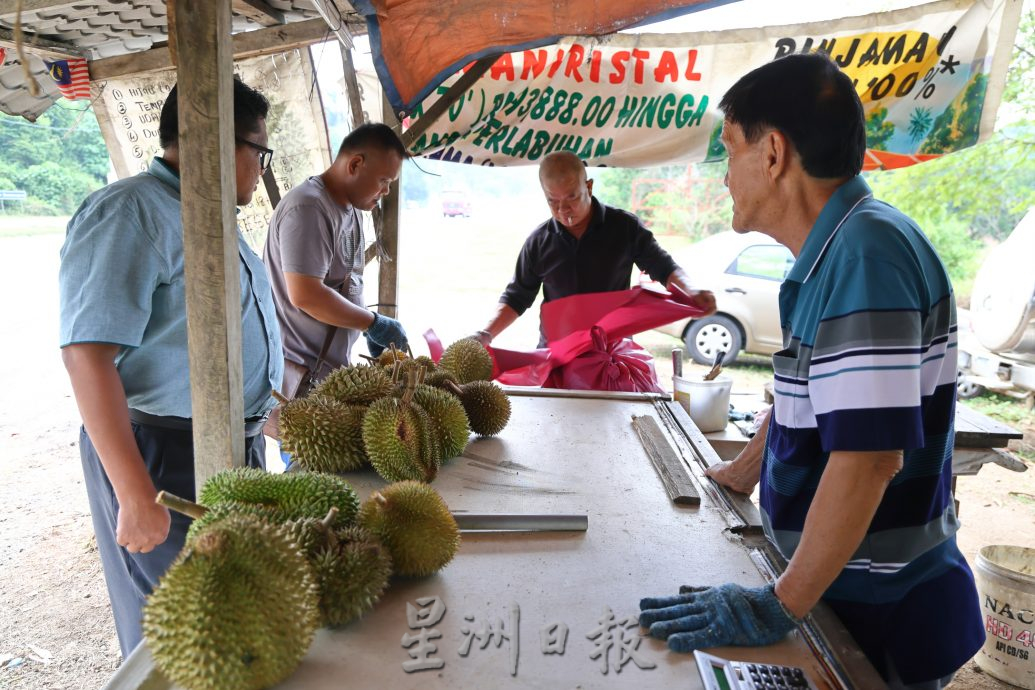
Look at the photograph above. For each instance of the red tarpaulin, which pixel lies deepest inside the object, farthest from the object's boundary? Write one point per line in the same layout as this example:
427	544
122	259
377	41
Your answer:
417	44
588	344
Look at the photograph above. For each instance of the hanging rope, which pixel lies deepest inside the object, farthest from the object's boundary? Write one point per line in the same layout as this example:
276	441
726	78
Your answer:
34	88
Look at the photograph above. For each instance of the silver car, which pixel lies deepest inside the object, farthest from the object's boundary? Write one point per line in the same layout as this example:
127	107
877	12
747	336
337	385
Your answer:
744	271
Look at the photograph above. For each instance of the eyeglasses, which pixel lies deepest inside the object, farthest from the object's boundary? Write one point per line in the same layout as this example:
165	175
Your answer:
265	154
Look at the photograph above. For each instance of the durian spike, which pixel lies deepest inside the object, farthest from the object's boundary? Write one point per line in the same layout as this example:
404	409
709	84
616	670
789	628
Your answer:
280	398
181	505
332	515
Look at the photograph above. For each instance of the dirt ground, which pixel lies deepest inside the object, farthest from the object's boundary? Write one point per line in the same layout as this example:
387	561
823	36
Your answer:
56	630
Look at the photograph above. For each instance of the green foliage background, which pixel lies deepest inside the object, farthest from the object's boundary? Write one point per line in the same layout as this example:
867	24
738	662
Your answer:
57	160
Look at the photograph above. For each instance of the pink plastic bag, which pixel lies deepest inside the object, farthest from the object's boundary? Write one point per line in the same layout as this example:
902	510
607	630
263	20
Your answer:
619	365
588	346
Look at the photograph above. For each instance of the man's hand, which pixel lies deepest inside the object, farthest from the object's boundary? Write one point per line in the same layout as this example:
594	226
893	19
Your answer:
142	524
383	332
703	299
705	617
483	337
734	475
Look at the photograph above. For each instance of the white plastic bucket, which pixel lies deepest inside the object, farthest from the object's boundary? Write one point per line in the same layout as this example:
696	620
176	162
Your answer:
707	402
1005	577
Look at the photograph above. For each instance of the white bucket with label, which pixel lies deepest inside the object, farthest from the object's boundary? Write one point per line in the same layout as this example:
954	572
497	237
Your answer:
707	402
1005	578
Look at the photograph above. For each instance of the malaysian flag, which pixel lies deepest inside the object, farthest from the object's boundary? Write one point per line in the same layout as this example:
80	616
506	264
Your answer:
71	76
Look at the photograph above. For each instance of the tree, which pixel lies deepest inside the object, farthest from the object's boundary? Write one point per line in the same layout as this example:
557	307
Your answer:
919	123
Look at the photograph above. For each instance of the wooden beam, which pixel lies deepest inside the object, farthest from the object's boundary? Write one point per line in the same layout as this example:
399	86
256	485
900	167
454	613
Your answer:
44	47
277	39
388	222
259	12
210	255
439	107
352	86
9	8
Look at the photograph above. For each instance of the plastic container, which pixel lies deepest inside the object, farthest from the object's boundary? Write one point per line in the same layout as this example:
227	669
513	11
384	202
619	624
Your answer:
1005	577
707	402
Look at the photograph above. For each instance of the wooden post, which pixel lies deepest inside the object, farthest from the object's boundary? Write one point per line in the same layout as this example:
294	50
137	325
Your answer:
388	219
352	86
211	263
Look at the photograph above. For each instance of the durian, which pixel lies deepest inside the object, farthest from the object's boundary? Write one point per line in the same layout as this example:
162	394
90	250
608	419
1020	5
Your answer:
221	511
397	436
323	435
449	427
355	385
237	610
414	524
352	575
468	360
486	405
295	494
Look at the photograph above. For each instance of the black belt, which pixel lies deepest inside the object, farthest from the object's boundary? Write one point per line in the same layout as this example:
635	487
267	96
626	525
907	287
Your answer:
252	426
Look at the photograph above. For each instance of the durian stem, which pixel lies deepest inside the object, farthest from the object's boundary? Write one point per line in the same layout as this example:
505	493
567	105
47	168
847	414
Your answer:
453	388
395	372
376	496
421	373
332	515
410	350
395	352
369	358
280	398
411	386
180	505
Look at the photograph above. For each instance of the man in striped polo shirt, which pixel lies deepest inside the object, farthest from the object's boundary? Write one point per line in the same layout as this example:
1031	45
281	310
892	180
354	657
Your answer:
855	462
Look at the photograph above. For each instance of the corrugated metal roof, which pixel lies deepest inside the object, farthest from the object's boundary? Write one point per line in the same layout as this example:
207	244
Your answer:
102	29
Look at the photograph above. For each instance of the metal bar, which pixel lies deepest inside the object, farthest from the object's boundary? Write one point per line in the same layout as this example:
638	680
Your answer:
439	107
473	522
530	392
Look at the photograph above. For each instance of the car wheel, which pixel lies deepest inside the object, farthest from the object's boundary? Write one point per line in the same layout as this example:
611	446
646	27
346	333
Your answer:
966	389
707	336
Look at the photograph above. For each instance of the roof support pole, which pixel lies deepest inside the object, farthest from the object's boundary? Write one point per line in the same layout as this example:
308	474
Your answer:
439	107
211	263
387	221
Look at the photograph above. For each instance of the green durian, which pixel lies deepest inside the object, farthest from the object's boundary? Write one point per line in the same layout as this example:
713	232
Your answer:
296	494
414	524
486	405
468	360
449	427
323	435
352	576
439	378
221	511
397	438
355	385
237	610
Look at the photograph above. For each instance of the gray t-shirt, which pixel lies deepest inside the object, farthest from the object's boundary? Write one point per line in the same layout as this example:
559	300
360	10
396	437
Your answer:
310	233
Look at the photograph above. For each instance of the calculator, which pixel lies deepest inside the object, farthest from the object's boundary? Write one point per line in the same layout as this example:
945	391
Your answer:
723	674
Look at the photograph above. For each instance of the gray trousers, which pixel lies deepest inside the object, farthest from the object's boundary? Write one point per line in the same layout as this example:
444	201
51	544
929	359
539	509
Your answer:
169	457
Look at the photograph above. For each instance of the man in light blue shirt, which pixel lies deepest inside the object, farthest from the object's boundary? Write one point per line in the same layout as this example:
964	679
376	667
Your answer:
124	344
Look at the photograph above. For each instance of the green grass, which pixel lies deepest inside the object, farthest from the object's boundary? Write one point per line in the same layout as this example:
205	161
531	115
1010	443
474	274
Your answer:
27	226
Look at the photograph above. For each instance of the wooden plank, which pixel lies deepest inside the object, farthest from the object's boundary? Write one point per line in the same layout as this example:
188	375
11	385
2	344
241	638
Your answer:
277	39
269	181
386	222
258	11
210	254
138	672
669	466
439	107
352	87
975	430
37	45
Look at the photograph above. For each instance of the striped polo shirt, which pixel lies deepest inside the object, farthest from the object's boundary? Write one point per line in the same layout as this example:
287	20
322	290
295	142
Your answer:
869	364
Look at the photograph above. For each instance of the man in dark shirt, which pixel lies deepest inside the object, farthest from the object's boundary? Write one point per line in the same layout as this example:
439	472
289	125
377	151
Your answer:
586	246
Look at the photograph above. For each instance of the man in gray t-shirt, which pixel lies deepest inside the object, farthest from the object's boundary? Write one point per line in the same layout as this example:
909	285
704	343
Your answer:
314	253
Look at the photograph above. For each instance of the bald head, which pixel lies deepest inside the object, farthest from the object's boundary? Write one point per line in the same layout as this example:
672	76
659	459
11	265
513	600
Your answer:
561	165
568	193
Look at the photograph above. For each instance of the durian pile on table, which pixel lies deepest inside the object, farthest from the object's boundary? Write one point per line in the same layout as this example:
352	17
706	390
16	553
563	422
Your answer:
351	571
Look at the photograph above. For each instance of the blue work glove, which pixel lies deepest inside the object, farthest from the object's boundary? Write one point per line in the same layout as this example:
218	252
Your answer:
384	332
705	617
